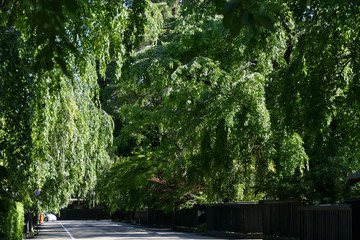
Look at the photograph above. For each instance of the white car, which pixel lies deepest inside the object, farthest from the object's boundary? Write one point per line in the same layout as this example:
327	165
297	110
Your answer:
50	217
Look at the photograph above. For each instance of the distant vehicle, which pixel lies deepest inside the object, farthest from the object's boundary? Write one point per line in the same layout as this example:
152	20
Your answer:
50	217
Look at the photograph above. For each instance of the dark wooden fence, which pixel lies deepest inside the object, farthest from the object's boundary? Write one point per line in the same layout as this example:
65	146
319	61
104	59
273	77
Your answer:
355	212
331	222
144	217
190	218
243	217
83	214
271	219
281	218
157	218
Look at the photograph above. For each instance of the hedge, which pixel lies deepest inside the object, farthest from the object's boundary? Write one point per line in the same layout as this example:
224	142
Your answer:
11	220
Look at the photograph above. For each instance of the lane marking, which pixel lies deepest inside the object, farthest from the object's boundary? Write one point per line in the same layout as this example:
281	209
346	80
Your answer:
71	236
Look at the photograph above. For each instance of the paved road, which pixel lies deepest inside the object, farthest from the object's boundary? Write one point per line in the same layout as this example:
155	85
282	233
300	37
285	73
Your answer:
107	230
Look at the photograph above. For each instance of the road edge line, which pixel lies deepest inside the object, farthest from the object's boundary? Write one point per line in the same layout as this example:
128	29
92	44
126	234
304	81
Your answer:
67	231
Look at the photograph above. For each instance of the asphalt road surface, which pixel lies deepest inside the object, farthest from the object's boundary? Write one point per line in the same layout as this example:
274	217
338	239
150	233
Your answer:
107	230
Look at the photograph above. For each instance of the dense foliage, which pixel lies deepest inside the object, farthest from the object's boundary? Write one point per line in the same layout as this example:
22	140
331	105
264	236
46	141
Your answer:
54	133
260	102
210	101
11	220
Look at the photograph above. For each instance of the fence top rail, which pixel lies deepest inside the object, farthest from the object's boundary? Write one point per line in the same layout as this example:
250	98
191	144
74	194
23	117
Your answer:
279	201
326	207
232	204
352	200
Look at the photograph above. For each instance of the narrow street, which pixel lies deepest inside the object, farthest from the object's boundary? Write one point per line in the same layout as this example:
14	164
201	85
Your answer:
107	230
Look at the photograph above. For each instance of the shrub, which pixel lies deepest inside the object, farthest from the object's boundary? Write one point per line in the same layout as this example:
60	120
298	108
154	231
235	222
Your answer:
202	228
11	220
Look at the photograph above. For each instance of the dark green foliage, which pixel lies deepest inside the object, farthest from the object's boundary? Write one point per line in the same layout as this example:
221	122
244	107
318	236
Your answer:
185	96
251	103
239	14
314	98
135	31
211	100
16	112
47	27
53	133
11	220
226	179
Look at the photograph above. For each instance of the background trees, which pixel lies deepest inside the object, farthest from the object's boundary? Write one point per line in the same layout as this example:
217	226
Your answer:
210	101
242	106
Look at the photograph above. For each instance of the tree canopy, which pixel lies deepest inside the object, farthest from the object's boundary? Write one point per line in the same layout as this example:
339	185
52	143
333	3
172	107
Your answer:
256	102
203	101
54	134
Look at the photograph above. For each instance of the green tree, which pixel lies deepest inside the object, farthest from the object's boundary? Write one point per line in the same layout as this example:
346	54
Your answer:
313	95
16	108
54	134
286	106
193	109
